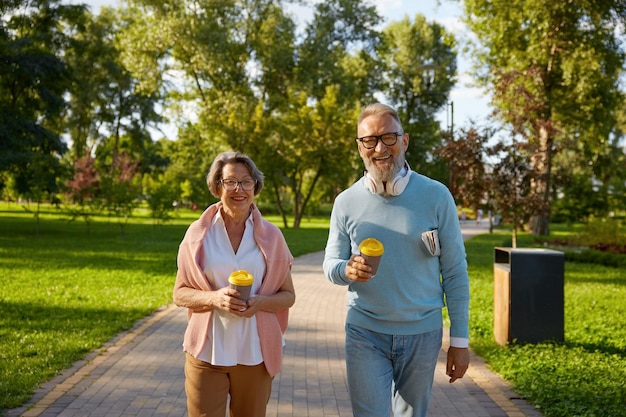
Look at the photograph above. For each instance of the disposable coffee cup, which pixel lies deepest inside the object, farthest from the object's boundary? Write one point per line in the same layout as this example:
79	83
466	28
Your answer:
241	281
372	250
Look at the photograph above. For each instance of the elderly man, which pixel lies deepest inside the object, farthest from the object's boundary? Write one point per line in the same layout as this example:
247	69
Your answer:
394	320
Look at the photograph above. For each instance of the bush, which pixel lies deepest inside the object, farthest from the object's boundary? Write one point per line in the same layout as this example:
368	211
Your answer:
605	231
594	256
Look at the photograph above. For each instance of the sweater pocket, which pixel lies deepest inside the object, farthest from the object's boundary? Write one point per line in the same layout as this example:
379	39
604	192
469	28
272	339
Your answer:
430	238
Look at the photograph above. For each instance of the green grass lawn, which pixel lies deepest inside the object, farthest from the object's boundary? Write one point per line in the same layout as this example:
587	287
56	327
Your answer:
583	376
67	287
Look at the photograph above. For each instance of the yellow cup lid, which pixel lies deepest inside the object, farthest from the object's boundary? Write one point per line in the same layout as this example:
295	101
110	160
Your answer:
371	247
241	277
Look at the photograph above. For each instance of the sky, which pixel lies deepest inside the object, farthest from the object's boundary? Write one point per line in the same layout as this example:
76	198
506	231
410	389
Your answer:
469	103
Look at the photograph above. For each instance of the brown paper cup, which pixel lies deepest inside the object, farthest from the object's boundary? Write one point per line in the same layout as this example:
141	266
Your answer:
372	250
372	261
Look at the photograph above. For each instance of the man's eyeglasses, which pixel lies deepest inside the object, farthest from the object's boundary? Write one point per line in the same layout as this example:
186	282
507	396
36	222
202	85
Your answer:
388	139
231	185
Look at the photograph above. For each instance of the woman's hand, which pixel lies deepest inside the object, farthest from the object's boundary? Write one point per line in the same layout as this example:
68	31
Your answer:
225	299
283	299
252	306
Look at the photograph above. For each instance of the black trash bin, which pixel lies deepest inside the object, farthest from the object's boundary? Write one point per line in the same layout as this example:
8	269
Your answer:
528	295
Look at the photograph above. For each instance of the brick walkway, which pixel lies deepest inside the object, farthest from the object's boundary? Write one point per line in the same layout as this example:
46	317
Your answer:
140	373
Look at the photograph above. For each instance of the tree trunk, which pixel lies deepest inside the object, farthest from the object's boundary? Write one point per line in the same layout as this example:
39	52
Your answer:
280	205
539	223
299	214
297	197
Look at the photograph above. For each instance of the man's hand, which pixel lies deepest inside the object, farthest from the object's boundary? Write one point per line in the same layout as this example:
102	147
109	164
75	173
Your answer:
458	362
357	270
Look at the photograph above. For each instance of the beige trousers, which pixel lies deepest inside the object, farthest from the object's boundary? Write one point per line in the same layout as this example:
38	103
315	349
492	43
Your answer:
207	388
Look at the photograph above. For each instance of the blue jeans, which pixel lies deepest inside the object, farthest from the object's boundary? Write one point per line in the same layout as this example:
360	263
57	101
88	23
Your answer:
385	369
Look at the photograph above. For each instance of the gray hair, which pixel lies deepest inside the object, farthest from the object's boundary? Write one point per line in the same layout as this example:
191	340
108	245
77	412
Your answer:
214	176
379	109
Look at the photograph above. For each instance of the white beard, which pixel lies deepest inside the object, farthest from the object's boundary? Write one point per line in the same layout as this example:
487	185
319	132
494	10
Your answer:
384	175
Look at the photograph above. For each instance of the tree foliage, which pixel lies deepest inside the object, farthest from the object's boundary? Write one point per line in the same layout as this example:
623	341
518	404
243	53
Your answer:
510	183
255	88
466	159
33	80
554	69
410	49
231	75
234	74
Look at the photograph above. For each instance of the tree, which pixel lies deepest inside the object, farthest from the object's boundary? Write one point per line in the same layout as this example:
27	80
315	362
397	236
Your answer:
190	158
231	62
161	196
106	101
82	190
320	147
120	187
33	80
465	157
409	50
510	180
240	65
554	69
315	139
339	28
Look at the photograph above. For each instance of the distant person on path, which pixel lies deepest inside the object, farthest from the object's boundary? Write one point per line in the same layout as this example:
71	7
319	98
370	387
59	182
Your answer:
233	346
479	216
394	320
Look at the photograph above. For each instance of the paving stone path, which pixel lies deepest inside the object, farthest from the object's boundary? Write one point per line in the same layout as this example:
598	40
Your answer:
140	373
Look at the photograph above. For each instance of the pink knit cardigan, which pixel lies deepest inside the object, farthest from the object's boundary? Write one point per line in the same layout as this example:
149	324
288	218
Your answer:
278	260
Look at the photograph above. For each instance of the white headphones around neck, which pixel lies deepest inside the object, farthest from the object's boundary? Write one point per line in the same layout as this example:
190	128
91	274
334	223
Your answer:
396	187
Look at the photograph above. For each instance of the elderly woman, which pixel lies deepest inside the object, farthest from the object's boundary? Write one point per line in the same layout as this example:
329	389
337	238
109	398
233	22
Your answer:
233	347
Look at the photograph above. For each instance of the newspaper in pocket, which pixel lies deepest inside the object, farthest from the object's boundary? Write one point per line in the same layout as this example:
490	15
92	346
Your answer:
431	241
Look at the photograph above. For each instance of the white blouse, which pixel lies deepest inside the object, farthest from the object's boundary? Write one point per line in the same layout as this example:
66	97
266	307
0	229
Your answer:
231	340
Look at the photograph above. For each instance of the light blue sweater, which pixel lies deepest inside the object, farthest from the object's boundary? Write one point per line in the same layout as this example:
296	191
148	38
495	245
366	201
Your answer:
407	294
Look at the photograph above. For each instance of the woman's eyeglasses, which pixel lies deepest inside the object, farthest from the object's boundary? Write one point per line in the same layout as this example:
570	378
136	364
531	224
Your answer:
231	185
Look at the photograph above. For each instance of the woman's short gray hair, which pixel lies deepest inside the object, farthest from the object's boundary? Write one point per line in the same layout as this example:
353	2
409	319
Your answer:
214	176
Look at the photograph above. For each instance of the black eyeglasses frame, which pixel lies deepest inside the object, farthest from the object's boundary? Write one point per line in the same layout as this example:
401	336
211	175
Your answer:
380	138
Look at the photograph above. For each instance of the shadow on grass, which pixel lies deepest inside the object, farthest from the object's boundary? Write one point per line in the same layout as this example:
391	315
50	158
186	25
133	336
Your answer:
27	318
40	341
605	347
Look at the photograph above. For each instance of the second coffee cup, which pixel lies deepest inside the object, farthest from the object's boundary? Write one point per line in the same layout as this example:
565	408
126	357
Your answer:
372	250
